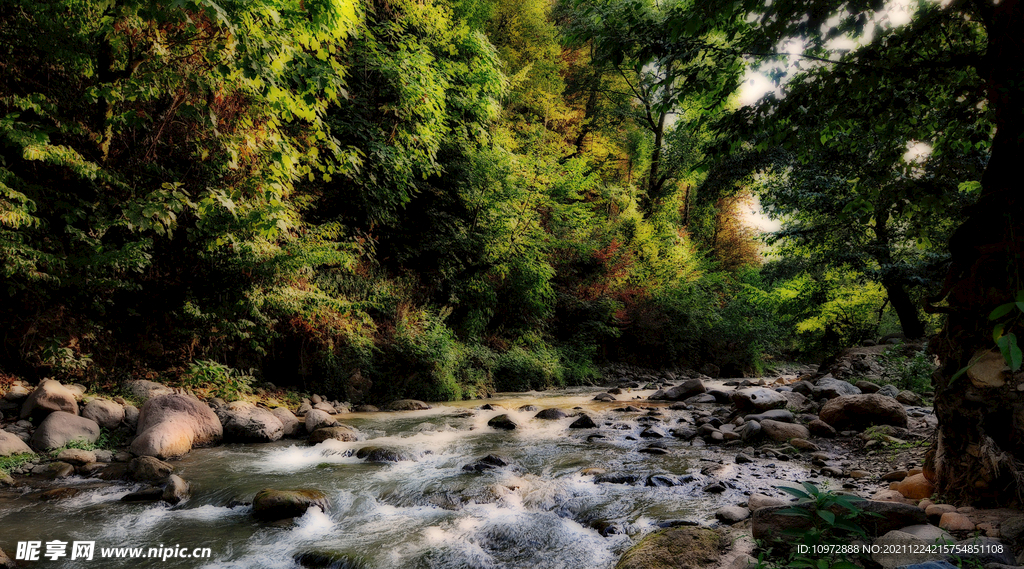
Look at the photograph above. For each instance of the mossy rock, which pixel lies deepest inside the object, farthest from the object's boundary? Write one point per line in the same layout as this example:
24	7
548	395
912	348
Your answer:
675	548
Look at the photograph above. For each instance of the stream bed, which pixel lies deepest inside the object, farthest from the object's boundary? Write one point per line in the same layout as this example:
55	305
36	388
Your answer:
548	511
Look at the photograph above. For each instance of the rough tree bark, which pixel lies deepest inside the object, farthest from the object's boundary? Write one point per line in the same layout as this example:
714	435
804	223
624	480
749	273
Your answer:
979	452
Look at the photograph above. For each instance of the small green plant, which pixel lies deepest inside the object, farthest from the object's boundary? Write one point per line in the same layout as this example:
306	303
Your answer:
832	520
218	380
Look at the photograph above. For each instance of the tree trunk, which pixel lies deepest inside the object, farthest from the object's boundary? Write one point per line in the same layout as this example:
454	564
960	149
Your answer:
980	447
906	310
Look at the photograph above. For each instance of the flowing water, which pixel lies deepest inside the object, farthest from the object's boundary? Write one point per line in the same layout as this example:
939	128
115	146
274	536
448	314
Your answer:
421	513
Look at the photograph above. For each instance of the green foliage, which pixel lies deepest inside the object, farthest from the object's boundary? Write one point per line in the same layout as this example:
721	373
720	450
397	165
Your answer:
911	371
14	461
832	519
218	380
529	367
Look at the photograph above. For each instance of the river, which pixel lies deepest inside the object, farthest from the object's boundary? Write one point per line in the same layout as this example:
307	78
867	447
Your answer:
427	512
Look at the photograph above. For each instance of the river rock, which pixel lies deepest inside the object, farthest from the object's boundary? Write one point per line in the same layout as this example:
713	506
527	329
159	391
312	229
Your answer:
732	514
502	421
861	411
867	387
798	401
758	399
365	409
143	389
685	390
48	397
105	412
490	462
751	431
758	501
303	409
551	414
819	428
271	505
916	487
909	398
929	533
381	454
889	391
325	407
780	415
652	433
146	494
289	423
604	397
407	405
830	388
245	422
803	387
175	490
60	428
171	425
131	417
317	419
955	521
76	456
674	548
338	432
584	422
12	444
616	478
149	469
782	432
768	524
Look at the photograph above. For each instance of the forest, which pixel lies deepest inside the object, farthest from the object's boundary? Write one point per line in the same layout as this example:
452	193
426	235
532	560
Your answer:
444	199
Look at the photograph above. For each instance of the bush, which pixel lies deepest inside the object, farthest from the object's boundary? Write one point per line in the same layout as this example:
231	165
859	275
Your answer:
218	380
523	369
911	371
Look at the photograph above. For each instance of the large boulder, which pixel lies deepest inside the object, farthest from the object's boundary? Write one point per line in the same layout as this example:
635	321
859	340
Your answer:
60	428
143	389
48	397
673	548
758	399
12	444
830	388
768	524
271	505
317	419
245	422
861	411
407	405
289	422
687	389
171	425
107	414
341	433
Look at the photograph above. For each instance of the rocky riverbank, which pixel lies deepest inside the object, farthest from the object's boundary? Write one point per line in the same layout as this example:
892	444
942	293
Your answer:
863	439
